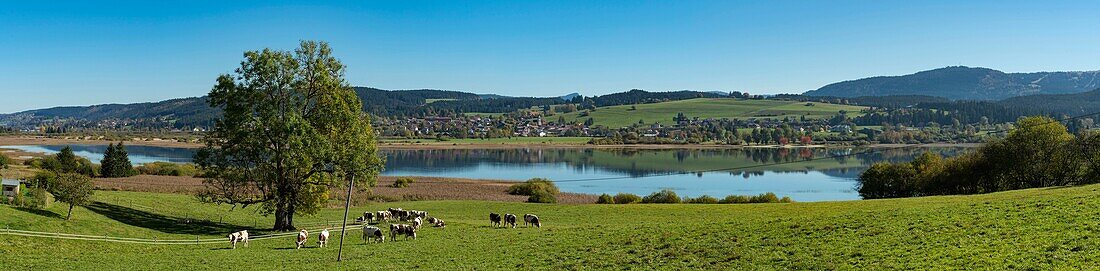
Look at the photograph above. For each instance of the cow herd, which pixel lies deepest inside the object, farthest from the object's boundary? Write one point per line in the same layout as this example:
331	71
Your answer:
510	220
413	219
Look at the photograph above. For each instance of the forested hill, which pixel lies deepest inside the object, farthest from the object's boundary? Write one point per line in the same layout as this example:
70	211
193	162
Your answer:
965	83
1065	104
194	112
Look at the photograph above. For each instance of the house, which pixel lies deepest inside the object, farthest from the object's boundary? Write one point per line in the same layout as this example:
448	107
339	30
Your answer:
10	187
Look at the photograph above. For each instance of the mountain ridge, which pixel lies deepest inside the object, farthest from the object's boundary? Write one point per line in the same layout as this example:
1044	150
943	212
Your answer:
965	83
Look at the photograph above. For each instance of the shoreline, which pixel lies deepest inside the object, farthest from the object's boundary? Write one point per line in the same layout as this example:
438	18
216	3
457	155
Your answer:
40	140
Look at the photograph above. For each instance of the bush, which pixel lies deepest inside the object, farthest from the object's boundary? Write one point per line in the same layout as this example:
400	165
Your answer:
168	169
704	199
36	198
663	196
529	187
785	199
735	199
402	182
627	198
605	199
5	161
542	196
765	198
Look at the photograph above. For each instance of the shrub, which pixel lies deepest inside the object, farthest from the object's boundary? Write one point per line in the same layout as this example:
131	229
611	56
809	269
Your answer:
529	187
785	199
5	161
735	199
542	196
36	198
402	182
663	196
605	199
17	200
704	199
765	198
627	198
168	169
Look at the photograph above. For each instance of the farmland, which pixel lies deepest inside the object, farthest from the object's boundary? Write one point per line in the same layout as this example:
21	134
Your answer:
1051	228
624	115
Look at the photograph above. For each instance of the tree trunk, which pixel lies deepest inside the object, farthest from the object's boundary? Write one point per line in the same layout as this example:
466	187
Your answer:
70	215
281	223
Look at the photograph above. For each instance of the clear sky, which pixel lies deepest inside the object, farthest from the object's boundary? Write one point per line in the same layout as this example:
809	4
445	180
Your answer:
70	53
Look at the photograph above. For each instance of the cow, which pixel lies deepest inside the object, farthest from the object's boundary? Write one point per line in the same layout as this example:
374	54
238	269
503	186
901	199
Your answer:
417	222
439	223
494	219
530	219
322	239
510	219
373	233
403	229
368	217
432	220
241	236
383	215
302	236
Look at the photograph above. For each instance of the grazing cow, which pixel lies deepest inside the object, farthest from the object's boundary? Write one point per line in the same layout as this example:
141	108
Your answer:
322	239
373	233
360	220
421	214
510	219
383	215
302	236
532	220
494	219
439	223
417	223
241	236
402	229
432	220
368	216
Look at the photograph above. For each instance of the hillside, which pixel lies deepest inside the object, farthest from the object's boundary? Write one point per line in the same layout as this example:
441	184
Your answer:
1036	229
965	83
1065	104
623	115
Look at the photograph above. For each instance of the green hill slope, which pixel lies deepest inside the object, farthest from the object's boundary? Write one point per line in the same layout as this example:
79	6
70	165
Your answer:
1042	229
623	115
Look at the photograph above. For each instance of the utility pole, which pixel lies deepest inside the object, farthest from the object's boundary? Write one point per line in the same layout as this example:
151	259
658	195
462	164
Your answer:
344	229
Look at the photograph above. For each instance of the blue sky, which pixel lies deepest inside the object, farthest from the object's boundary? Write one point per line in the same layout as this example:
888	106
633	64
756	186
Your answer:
72	53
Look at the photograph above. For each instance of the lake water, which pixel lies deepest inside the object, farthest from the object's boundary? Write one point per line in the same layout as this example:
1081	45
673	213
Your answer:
749	171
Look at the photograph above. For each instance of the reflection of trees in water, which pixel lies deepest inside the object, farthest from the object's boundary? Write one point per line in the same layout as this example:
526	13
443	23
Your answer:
642	162
169	153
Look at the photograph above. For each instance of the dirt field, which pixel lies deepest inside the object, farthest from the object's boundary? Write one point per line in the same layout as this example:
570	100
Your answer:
422	188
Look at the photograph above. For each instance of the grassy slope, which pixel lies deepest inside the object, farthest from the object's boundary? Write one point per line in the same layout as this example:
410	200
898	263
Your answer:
1029	229
621	115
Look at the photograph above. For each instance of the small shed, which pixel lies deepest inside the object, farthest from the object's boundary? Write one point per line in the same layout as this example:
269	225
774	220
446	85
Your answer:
10	187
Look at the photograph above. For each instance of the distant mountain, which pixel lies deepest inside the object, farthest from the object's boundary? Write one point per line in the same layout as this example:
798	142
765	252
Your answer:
570	96
965	83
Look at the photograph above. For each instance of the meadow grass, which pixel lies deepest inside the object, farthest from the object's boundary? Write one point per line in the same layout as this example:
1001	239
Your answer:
1051	228
622	115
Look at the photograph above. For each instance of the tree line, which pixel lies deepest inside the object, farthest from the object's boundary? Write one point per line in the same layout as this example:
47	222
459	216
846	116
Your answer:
1040	152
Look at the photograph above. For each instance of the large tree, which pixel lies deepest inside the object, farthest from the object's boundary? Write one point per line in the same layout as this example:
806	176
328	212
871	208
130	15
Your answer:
72	189
292	130
116	162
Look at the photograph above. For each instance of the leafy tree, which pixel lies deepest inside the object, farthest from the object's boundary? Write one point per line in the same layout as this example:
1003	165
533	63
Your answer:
73	189
663	196
291	130
605	199
116	162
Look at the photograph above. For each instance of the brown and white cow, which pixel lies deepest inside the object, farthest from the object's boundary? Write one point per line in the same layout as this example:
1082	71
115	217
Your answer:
241	236
302	236
530	219
322	239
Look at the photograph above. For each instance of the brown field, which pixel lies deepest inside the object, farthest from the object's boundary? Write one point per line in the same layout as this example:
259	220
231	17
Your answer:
423	188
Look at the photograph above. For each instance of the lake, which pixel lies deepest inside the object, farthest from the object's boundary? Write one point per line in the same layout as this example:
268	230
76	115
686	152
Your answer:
801	174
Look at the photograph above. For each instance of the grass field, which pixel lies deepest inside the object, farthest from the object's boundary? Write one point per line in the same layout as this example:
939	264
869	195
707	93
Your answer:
1037	229
622	115
491	141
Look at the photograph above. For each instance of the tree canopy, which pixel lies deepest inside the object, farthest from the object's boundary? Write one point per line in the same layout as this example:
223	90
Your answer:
291	130
116	162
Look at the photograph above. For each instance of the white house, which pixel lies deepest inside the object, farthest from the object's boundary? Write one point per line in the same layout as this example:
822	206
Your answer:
10	187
